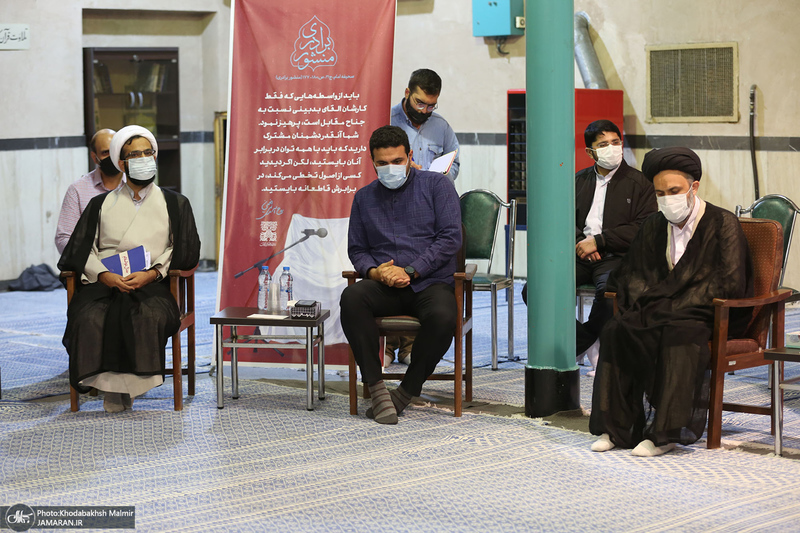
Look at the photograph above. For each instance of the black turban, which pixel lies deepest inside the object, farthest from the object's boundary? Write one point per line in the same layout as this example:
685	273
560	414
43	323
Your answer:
674	158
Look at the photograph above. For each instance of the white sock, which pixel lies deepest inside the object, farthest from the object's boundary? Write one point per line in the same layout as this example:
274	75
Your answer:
647	448
603	444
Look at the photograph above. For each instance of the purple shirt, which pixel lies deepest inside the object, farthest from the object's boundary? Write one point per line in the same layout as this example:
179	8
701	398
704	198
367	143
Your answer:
75	201
418	225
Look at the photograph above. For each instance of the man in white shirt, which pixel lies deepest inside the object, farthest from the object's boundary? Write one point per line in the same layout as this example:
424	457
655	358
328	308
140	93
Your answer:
611	201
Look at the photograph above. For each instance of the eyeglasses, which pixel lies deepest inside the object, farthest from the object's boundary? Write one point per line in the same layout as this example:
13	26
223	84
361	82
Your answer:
140	153
615	142
422	106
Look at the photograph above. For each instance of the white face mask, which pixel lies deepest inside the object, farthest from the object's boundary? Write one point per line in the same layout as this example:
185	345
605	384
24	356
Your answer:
392	176
609	157
677	207
142	170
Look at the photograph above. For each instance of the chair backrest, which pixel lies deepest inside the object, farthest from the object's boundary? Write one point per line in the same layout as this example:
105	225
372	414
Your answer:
780	209
481	216
765	239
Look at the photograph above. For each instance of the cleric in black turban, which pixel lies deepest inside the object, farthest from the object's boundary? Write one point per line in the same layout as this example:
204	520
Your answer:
657	345
673	158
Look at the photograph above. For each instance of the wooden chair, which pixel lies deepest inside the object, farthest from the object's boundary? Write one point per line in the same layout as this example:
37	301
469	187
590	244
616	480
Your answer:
765	239
784	211
408	325
181	284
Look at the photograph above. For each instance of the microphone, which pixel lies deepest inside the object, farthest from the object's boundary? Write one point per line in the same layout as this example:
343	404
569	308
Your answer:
321	232
307	233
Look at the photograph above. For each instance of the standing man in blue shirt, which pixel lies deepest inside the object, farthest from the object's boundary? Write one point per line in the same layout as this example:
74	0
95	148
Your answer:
404	236
430	136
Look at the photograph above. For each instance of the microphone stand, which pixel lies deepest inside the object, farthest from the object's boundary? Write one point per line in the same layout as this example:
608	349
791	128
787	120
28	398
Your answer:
259	264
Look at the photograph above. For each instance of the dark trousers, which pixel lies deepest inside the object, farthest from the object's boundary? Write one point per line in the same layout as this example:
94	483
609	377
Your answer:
434	307
596	272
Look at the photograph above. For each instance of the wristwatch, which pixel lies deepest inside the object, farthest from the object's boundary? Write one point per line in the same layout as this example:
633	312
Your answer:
159	277
410	271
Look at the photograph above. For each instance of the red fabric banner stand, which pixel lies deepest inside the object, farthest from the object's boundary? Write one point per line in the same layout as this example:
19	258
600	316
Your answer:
311	80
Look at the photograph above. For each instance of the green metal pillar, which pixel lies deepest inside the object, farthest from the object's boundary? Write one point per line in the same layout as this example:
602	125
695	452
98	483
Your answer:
551	374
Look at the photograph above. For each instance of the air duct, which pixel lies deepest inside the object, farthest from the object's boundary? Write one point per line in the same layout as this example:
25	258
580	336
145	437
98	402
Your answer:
585	56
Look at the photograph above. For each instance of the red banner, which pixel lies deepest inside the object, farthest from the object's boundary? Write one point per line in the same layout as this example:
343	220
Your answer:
311	80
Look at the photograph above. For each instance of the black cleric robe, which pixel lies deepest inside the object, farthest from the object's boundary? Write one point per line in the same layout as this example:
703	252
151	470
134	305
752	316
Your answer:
111	331
656	348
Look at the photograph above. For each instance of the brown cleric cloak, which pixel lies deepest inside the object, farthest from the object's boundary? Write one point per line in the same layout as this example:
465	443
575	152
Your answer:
656	347
108	330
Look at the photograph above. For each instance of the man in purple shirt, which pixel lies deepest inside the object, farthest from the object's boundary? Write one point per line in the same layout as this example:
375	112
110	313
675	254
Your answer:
105	177
405	232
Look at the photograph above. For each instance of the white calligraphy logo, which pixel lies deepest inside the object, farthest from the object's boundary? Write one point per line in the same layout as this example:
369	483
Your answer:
314	46
269	232
20	517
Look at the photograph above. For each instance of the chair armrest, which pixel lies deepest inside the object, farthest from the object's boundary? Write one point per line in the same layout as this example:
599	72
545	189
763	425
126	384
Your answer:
469	272
350	274
69	281
182	273
613	297
764	299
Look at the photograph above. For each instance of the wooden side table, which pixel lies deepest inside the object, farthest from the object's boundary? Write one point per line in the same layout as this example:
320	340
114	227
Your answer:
242	316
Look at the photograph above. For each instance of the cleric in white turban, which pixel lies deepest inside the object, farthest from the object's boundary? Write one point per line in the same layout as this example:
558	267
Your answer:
118	323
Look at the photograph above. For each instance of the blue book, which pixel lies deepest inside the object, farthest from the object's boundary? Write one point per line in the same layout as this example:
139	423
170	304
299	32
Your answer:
126	262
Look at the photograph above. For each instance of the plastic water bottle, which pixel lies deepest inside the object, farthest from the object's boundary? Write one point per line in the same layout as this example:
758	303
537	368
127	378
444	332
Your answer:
264	280
286	288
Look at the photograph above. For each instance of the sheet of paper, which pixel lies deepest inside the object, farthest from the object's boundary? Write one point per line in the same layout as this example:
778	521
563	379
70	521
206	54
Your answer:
271	317
442	163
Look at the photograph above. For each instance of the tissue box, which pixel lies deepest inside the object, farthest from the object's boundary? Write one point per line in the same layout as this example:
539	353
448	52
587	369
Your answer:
305	309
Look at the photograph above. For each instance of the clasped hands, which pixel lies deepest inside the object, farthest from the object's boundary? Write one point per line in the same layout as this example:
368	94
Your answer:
131	282
388	274
587	249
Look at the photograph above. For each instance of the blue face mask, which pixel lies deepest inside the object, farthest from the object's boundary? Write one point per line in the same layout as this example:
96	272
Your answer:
392	176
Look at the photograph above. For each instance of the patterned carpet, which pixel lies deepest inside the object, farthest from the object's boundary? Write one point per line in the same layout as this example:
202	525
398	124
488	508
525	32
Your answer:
264	463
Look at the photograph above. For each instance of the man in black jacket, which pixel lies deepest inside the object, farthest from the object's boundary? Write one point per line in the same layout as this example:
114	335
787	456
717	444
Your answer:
611	201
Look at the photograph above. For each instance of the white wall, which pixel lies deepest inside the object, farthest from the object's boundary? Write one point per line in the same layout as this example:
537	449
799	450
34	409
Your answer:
34	183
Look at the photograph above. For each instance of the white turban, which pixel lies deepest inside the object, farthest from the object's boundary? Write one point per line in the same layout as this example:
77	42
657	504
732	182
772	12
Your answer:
122	136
